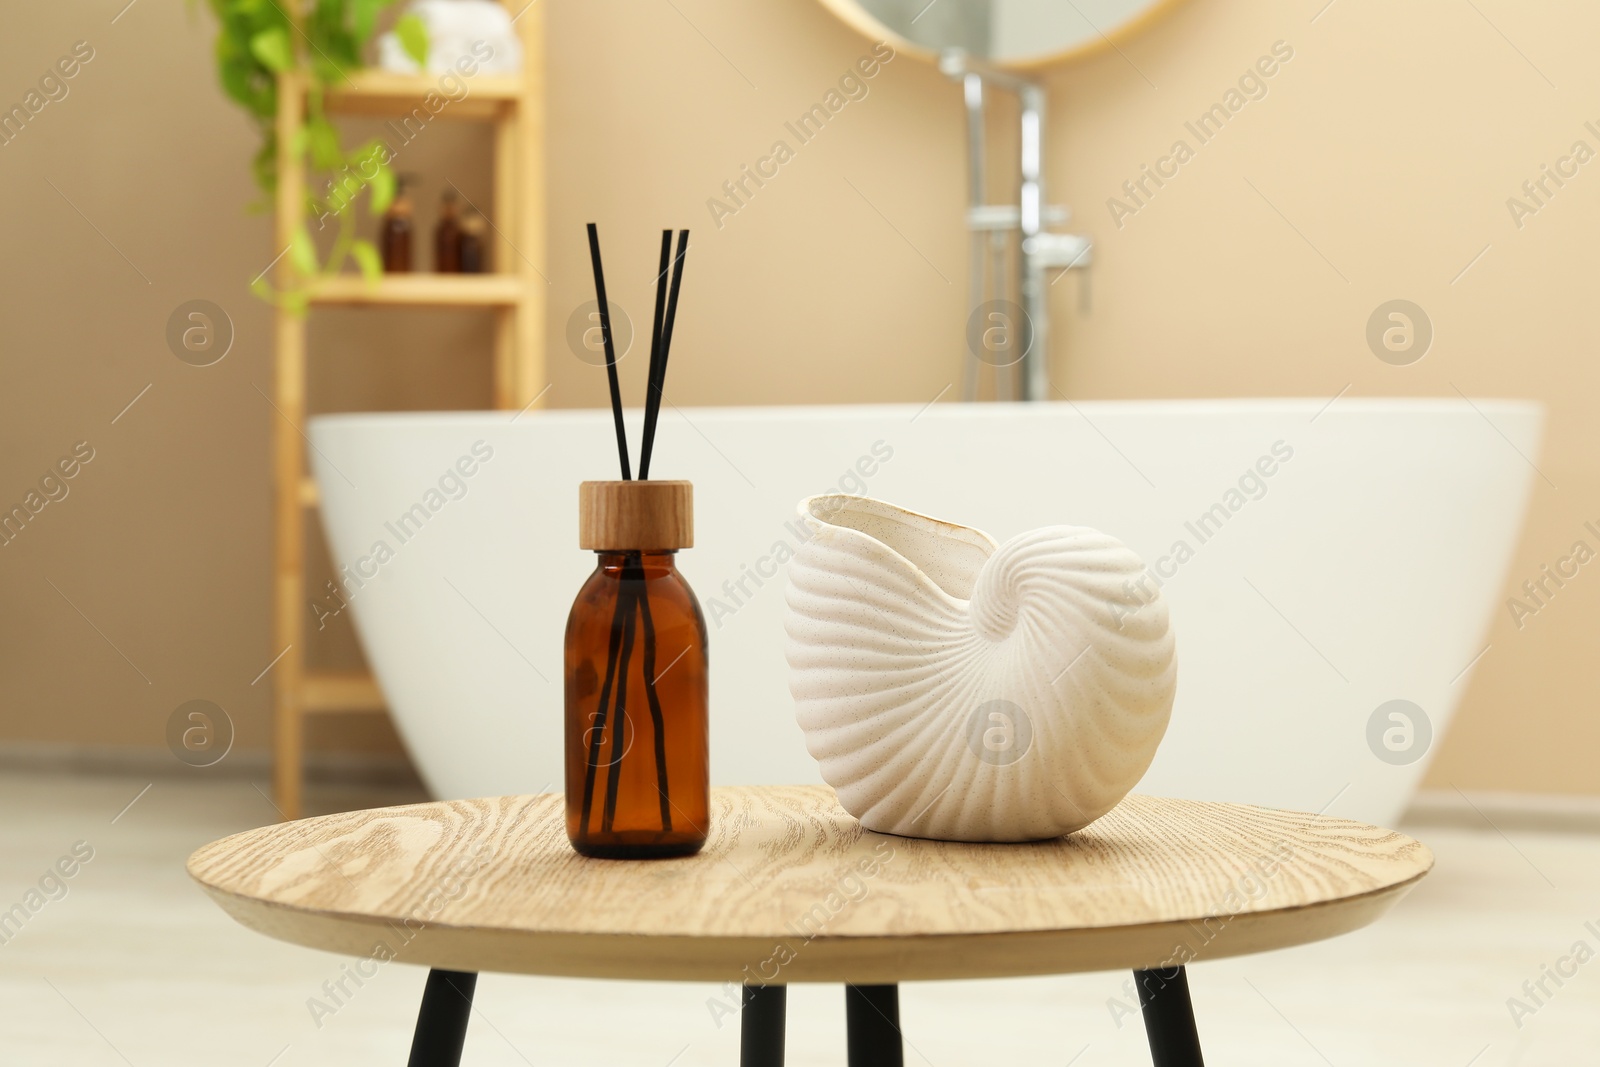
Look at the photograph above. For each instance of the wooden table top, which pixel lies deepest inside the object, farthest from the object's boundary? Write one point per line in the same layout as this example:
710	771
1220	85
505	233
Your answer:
789	888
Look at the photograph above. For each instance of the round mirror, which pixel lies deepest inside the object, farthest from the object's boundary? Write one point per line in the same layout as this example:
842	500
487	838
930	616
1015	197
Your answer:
1005	33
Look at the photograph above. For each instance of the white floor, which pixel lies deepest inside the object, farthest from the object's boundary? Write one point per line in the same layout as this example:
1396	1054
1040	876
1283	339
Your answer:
133	966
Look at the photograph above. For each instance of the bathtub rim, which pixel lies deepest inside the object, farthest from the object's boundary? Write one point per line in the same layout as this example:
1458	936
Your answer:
1394	406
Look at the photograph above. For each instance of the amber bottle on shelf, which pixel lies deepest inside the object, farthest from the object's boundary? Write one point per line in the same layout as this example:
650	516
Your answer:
637	723
474	229
394	234
447	236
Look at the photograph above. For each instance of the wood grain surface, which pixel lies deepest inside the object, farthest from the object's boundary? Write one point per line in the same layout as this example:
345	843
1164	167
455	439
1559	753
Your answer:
790	889
652	515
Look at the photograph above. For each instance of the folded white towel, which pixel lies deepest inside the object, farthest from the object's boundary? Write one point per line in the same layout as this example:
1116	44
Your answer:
454	28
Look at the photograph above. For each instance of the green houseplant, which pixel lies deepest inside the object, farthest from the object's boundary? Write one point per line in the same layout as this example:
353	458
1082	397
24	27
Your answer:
258	40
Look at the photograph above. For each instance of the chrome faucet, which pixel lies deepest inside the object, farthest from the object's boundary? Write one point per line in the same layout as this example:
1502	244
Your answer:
1039	251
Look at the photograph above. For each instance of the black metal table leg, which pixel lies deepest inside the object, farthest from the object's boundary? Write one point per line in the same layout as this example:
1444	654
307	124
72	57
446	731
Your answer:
872	1017
1169	1017
761	1026
442	1021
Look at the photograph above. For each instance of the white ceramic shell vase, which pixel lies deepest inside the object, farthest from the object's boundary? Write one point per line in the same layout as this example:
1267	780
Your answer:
959	689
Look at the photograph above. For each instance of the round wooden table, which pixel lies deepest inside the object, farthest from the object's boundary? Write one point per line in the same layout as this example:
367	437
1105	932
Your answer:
790	888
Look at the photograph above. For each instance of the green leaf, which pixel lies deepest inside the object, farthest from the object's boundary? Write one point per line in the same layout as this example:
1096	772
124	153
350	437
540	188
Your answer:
383	190
413	34
274	49
364	17
265	163
366	256
265	104
302	253
236	69
324	144
238	81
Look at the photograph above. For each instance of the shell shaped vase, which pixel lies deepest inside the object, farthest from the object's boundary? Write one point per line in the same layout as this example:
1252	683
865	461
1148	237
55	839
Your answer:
955	688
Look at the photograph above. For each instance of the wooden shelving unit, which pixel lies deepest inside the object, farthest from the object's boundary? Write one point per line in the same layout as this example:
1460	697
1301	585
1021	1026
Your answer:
382	94
422	290
514	295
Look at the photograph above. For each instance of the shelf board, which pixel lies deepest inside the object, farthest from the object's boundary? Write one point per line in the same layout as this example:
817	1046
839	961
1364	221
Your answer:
322	692
380	93
420	290
310	495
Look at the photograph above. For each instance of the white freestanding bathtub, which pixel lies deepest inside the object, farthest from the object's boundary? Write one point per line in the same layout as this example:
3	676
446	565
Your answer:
1319	562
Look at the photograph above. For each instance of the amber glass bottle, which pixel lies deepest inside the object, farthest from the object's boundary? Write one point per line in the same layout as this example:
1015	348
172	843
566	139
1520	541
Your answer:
474	228
637	742
447	236
394	234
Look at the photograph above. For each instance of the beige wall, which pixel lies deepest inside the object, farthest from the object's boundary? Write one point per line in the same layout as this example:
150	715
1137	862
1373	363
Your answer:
1387	147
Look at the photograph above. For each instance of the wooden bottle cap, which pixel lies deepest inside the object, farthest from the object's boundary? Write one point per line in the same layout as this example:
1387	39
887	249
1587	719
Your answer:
649	516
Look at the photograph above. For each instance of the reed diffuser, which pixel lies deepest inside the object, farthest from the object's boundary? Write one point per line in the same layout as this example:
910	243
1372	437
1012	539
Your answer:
637	742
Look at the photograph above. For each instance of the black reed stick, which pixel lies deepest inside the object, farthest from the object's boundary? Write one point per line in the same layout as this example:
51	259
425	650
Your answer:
598	730
655	351
657	720
655	354
611	352
619	720
659	353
